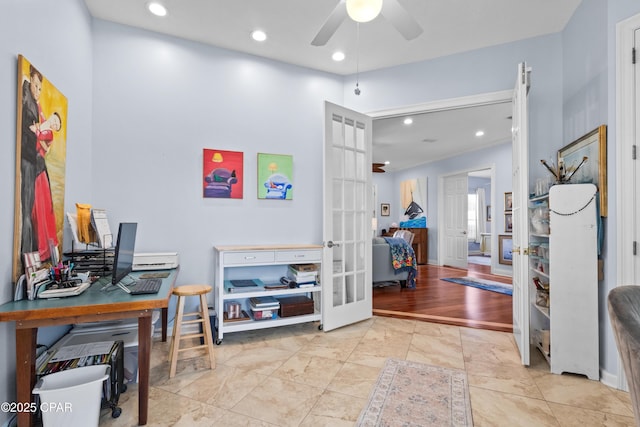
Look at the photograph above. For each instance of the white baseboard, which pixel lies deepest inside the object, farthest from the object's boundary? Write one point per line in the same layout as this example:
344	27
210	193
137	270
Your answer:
611	380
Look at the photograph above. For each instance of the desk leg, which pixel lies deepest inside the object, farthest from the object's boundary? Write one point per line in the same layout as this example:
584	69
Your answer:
165	316
25	371
144	364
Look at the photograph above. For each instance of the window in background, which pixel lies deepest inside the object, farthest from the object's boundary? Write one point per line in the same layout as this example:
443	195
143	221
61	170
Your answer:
472	230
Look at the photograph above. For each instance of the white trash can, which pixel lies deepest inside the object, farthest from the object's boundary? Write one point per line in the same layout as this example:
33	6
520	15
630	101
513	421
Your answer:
72	398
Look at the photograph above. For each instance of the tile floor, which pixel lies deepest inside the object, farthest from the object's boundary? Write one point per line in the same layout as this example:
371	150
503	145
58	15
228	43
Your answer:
299	376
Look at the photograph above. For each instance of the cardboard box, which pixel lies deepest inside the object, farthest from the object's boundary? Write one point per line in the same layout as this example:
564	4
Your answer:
295	306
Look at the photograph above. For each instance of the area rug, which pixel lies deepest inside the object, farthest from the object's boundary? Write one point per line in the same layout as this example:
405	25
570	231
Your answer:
414	394
487	285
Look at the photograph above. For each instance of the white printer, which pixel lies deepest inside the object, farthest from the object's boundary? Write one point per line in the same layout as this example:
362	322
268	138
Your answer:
155	261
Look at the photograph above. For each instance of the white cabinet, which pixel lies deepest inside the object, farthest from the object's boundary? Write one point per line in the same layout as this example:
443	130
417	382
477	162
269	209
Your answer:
268	264
564	256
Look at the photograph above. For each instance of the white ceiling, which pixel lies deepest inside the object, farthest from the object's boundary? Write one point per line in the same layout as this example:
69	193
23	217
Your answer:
439	135
450	26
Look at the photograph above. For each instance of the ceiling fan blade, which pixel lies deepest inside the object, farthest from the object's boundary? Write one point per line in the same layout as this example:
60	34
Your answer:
400	18
331	25
377	168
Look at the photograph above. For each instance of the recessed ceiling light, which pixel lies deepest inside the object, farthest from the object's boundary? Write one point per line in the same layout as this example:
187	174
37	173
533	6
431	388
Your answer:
480	133
157	9
408	121
259	35
387	162
338	56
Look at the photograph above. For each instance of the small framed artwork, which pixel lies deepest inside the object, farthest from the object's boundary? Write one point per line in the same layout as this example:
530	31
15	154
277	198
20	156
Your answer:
275	176
488	212
385	209
505	248
508	222
508	201
222	174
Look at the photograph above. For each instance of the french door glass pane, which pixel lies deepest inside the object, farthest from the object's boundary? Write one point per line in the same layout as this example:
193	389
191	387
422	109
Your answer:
337	163
349	134
337	194
338	235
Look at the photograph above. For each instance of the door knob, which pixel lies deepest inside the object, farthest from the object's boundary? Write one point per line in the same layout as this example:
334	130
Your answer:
464	232
330	244
515	250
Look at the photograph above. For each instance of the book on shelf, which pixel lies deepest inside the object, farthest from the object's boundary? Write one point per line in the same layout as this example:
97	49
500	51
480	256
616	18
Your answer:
307	284
264	302
237	286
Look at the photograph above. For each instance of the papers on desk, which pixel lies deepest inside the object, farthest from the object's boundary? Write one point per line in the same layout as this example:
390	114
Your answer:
90	226
101	226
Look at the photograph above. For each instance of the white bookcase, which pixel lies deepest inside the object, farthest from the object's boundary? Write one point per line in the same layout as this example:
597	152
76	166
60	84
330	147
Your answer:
564	255
267	263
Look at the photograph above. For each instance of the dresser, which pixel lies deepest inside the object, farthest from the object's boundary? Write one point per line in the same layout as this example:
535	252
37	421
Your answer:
420	242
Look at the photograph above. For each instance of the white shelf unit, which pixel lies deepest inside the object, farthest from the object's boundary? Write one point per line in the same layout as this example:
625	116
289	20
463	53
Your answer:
267	263
568	263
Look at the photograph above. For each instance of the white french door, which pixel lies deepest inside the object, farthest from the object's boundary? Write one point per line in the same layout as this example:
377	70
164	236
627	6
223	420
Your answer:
456	245
520	190
346	261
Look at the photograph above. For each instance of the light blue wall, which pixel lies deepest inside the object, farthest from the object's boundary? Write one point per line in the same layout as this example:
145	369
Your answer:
56	38
158	101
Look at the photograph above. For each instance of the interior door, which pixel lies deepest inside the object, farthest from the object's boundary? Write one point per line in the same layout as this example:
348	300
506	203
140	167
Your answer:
456	245
346	261
520	190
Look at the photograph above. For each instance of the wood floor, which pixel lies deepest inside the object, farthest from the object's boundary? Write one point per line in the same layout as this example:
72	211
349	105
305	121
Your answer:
436	300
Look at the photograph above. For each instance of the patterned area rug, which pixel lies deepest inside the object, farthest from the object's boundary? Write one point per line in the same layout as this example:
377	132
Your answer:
488	285
413	394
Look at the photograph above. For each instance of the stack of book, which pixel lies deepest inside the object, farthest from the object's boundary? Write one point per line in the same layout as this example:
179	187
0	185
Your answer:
264	307
304	275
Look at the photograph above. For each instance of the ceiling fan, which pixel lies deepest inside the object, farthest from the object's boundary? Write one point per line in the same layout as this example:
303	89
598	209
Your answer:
393	11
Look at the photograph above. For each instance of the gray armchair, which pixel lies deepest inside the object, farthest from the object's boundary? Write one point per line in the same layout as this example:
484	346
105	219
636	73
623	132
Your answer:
624	312
382	268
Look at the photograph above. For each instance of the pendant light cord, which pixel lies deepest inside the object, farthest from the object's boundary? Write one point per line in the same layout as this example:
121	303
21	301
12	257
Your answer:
357	90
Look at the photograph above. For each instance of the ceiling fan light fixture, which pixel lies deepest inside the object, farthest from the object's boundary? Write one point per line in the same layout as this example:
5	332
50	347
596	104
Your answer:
363	10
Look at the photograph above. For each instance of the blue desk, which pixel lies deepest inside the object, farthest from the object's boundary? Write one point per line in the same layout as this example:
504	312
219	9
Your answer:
91	306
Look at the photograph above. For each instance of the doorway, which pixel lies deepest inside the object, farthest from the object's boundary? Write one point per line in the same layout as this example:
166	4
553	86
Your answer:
480	186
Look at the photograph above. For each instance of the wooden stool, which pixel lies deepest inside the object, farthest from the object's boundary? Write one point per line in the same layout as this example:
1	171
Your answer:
202	316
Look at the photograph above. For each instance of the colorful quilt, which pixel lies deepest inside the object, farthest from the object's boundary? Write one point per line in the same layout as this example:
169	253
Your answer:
403	259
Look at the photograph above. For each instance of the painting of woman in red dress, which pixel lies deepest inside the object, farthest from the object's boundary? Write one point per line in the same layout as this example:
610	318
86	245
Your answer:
40	167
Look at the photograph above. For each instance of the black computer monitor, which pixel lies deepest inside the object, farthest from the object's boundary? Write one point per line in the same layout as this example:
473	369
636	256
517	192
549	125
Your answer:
123	257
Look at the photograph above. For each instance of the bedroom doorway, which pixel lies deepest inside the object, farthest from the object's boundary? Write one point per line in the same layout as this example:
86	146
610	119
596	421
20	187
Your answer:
479	217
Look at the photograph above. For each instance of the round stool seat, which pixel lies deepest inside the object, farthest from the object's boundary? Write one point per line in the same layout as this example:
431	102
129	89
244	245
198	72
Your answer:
191	290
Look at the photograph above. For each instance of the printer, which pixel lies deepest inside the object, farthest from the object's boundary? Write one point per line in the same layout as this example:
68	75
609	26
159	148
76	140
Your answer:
155	261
